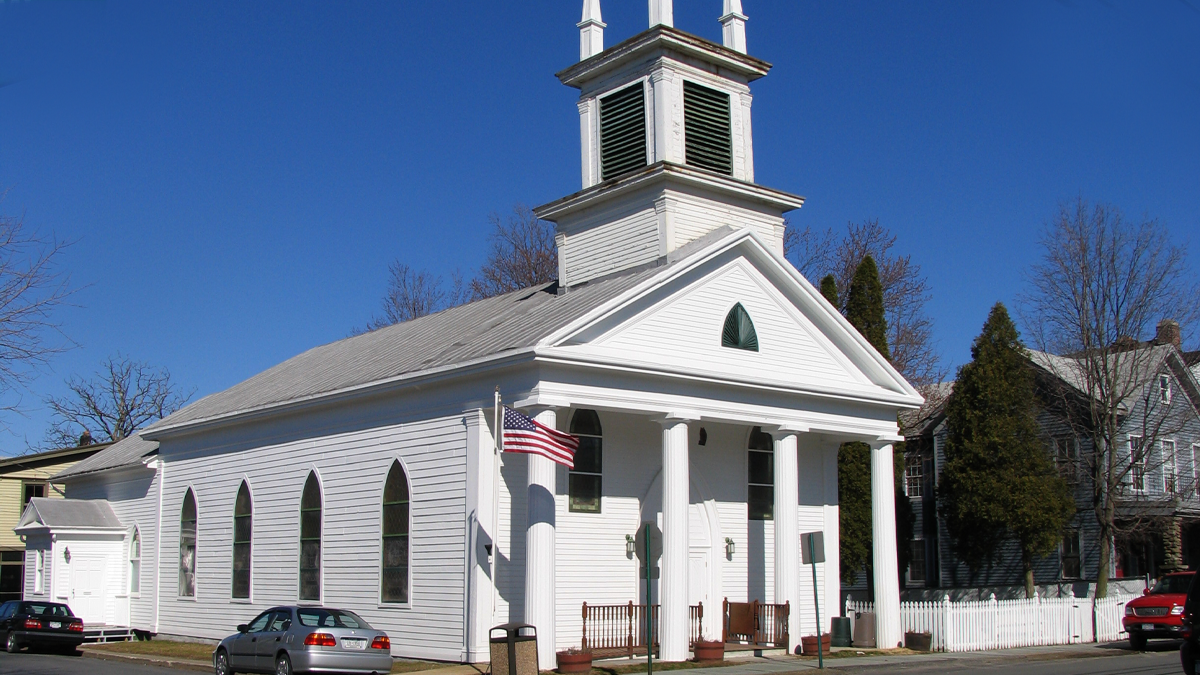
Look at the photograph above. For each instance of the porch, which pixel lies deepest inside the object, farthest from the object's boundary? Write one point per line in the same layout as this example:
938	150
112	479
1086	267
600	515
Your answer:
620	630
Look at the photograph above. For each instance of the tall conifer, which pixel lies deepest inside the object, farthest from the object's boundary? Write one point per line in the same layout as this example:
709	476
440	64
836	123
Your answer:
998	481
829	290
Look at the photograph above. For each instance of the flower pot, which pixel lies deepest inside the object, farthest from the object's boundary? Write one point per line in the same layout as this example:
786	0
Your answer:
574	662
808	644
709	650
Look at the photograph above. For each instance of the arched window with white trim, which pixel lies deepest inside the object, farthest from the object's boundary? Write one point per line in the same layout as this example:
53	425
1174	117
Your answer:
187	546
394	573
310	539
135	562
243	531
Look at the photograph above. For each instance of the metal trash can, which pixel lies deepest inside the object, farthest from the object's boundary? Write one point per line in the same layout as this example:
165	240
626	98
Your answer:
840	632
864	629
514	650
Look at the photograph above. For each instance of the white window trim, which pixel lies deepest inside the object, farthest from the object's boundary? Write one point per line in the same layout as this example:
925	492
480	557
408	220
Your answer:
1061	556
39	571
135	593
1164	388
908	578
1171	463
1132	463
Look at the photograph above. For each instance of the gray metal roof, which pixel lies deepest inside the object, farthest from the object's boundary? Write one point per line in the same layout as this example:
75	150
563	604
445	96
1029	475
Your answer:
485	328
129	450
68	513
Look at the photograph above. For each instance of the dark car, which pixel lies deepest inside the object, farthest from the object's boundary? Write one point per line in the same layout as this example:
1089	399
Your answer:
286	640
50	625
1159	612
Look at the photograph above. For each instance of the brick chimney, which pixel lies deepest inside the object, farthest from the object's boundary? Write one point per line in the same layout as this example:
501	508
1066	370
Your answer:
1168	333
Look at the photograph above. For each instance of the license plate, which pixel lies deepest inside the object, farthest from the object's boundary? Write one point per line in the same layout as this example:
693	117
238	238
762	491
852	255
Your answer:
56	624
1148	626
354	643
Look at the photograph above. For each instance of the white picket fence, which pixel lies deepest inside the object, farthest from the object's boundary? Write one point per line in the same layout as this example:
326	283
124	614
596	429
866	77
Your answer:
999	624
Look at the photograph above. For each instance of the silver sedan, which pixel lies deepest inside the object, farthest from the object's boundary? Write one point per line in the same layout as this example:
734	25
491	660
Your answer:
286	640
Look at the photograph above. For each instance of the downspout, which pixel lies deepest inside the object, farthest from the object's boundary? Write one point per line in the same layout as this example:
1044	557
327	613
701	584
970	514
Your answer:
161	468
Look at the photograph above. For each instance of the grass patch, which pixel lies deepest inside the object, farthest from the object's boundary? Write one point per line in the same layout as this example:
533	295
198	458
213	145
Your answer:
662	665
412	666
164	648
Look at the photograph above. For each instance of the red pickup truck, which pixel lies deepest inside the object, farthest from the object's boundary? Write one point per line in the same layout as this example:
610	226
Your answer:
1159	612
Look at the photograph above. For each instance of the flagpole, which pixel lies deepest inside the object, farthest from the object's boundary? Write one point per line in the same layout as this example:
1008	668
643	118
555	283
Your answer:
496	436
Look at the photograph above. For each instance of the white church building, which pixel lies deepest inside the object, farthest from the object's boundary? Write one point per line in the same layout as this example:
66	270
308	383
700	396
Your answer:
710	383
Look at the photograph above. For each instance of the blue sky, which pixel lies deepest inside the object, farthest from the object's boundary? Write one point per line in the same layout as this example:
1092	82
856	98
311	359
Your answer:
236	177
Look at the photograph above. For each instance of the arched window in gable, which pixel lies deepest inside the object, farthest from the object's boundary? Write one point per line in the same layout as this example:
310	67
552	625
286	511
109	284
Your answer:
310	539
584	481
738	332
187	546
394	572
243	530
760	493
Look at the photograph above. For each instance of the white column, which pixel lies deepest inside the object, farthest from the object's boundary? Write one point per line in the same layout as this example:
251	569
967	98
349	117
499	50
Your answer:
733	26
588	143
883	528
787	531
539	550
673	583
662	12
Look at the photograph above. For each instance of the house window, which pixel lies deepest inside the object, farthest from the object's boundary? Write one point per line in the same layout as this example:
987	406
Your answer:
395	536
916	561
135	562
31	490
12	575
310	539
584	481
707	132
243	533
1071	568
187	546
39	576
1164	388
1168	465
1066	455
623	131
738	331
760	494
913	475
1137	464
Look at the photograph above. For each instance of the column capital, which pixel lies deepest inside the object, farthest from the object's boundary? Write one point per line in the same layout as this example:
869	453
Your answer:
538	402
675	417
785	429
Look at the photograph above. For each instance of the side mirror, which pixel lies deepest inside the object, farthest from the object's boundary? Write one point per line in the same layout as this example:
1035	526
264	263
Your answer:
242	628
1146	592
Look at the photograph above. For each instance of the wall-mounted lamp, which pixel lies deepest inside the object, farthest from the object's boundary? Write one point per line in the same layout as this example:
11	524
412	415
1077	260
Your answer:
67	554
630	547
703	436
729	547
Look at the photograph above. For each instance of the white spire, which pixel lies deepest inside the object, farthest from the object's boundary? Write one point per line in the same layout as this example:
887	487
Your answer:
661	12
733	26
591	30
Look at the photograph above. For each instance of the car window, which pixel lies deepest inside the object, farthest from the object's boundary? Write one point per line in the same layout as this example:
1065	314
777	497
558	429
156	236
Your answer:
279	621
330	618
1173	584
7	609
259	623
44	609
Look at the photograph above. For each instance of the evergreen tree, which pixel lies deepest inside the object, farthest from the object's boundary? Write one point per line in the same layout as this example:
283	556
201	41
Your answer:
864	306
998	481
829	290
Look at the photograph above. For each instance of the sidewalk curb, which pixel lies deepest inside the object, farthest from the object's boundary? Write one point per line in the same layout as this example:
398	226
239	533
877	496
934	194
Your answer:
162	662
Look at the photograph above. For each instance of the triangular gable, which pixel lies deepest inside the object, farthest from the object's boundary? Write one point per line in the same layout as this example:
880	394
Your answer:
674	322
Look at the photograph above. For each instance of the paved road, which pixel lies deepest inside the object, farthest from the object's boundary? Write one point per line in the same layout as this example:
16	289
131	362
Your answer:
1161	659
27	663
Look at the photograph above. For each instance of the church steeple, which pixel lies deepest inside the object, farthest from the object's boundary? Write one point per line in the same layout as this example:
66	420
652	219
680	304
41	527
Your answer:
667	151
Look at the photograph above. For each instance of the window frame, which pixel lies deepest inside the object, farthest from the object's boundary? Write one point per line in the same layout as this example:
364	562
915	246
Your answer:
1170	465
598	476
314	476
183	570
133	585
25	485
750	485
249	544
1067	462
1164	388
1072	534
39	571
914	477
1137	463
407	601
914	544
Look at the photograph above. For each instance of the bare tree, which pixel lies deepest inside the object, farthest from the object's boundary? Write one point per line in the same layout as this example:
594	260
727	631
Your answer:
905	289
30	289
1102	282
523	254
121	398
412	294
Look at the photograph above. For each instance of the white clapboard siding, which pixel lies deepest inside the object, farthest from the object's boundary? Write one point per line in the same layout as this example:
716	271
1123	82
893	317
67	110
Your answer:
684	332
694	217
610	241
352	468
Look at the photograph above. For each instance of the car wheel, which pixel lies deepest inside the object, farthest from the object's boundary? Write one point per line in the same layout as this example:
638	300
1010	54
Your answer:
11	645
283	665
221	663
1137	641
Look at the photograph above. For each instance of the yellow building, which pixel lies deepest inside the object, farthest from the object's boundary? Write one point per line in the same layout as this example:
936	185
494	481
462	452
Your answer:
21	479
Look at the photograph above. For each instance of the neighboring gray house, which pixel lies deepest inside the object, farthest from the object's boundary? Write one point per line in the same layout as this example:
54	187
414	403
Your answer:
1159	511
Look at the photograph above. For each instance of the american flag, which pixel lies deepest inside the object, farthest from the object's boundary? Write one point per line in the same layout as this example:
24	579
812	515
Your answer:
526	435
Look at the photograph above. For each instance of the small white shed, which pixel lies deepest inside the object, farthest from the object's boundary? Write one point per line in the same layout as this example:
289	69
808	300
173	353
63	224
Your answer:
75	552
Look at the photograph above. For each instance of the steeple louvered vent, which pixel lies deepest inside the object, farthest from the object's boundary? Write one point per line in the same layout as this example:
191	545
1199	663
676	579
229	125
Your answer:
622	131
708	139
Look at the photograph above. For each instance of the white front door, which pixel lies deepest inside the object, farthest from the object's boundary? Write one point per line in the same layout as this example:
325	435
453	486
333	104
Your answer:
698	582
87	589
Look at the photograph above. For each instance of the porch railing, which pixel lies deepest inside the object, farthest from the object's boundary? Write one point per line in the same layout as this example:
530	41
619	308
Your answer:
756	623
615	630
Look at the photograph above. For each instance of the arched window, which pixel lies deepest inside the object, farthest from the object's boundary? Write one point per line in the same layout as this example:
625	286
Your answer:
135	562
394	577
187	546
583	486
310	539
739	330
760	494
243	530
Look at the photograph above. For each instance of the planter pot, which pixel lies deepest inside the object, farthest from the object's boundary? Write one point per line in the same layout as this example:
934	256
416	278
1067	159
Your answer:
918	642
709	650
808	644
577	662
